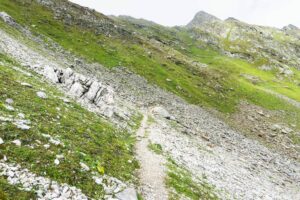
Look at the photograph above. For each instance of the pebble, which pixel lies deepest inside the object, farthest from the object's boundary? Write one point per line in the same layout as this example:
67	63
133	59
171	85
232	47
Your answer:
21	115
17	142
56	161
84	167
26	84
1	141
9	101
42	95
22	124
9	107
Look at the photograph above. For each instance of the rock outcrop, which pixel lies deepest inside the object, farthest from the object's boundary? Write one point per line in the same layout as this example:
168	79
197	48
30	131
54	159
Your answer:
202	18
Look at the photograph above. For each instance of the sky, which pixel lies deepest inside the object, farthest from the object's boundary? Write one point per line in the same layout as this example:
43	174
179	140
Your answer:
276	13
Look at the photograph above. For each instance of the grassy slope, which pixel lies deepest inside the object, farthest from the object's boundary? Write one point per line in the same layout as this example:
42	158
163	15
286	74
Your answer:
87	137
195	85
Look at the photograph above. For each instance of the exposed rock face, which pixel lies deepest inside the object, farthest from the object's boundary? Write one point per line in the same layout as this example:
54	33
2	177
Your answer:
71	13
290	27
87	90
279	47
202	18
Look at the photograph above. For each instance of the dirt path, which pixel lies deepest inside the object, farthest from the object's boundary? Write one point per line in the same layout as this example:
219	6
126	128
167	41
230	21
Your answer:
152	171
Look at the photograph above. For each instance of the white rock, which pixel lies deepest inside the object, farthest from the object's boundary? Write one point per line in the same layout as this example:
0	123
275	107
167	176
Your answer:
275	127
8	107
42	95
22	124
59	156
162	112
46	146
127	194
26	84
21	115
76	89
50	74
56	161
54	141
6	119
1	141
17	142
98	180
286	130
9	101
84	166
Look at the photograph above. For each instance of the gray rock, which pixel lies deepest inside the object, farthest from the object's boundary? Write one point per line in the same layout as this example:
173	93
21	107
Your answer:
42	95
21	115
286	130
127	194
9	101
50	73
84	167
8	107
161	112
26	85
275	127
17	142
22	124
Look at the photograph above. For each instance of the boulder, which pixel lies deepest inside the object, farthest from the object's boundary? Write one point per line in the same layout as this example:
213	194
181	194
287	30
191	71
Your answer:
42	95
127	194
50	73
9	101
163	113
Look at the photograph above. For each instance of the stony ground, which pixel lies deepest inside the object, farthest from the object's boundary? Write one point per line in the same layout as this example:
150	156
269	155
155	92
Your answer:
238	167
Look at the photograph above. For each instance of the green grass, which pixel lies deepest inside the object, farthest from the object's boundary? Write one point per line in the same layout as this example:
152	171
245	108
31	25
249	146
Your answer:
11	192
180	180
156	148
219	86
87	137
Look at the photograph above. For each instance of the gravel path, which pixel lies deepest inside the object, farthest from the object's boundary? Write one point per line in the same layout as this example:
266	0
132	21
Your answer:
152	167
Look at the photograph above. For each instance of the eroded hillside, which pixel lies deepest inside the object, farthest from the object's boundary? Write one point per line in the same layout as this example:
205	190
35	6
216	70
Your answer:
105	107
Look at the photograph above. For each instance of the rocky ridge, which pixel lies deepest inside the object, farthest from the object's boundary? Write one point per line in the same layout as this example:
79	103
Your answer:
278	47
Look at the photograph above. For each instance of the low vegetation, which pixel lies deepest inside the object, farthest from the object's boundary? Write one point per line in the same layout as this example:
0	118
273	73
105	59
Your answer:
156	148
11	192
220	85
182	182
83	136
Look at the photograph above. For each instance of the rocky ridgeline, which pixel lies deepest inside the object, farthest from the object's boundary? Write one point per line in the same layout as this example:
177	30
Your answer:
71	14
279	48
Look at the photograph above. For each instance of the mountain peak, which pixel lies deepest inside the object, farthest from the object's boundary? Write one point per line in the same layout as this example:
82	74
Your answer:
290	27
201	18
